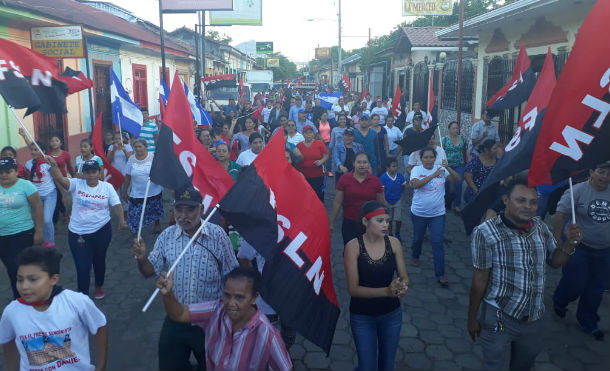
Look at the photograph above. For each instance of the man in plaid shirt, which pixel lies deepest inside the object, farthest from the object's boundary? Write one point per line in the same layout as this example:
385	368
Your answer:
509	253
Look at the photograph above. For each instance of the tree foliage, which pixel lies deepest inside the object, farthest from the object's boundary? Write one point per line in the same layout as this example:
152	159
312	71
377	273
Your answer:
286	70
368	53
216	36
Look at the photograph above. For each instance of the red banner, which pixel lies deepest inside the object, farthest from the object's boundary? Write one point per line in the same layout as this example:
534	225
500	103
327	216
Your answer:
396	101
111	174
208	176
575	130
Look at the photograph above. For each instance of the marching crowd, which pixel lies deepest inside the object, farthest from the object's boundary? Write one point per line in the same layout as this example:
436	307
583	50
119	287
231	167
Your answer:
214	309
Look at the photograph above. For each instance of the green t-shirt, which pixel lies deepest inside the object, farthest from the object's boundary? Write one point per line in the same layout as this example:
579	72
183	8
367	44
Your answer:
233	170
15	213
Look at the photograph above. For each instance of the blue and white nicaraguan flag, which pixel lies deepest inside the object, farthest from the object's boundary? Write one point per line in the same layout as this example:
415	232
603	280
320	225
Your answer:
199	114
327	100
125	112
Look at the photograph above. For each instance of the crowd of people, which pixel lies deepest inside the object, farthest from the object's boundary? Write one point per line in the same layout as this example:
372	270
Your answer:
212	299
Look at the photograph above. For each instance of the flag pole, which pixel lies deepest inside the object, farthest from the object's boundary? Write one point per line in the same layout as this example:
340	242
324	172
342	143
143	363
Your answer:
27	131
143	208
188	245
120	130
440	138
572	201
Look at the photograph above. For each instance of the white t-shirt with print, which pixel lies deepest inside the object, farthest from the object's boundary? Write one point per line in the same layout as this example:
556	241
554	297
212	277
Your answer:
140	171
55	339
394	134
91	205
120	159
429	200
44	183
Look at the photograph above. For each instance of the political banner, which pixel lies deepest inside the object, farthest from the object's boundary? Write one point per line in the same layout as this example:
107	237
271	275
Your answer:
244	13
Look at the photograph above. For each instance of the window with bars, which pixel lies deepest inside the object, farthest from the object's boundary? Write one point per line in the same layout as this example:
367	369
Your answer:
449	91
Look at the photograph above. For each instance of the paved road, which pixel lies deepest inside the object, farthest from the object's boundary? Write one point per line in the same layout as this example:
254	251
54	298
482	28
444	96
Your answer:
433	333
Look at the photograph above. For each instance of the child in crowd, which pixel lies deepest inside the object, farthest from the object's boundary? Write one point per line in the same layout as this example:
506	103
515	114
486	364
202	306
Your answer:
48	327
393	183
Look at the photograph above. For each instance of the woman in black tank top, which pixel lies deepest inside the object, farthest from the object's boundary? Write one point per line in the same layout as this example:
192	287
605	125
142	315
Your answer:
375	313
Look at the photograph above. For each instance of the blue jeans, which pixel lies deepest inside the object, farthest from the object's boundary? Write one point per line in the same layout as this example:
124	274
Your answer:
376	334
48	208
91	252
437	231
455	188
585	275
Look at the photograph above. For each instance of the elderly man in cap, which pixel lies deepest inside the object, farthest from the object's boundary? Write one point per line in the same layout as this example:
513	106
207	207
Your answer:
486	128
197	278
585	276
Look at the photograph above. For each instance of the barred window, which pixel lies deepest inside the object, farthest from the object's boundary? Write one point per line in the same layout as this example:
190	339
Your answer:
449	98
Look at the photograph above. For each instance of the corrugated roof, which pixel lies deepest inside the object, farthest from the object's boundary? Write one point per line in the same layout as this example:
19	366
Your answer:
425	36
73	12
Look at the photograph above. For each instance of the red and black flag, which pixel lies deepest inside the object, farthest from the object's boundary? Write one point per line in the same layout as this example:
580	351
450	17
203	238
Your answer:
111	174
575	130
519	151
396	107
212	180
30	80
76	80
518	88
166	169
218	81
414	142
345	82
292	234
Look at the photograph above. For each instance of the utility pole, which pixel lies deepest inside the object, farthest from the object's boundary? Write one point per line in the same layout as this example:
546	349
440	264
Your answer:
202	23
368	64
459	72
162	40
339	62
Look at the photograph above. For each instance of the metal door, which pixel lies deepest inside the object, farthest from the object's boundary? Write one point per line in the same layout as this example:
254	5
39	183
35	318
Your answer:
102	95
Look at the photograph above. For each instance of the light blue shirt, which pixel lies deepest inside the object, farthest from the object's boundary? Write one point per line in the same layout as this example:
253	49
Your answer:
294	112
307	122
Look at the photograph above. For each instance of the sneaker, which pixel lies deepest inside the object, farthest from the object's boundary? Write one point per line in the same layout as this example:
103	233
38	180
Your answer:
559	311
99	293
47	244
598	335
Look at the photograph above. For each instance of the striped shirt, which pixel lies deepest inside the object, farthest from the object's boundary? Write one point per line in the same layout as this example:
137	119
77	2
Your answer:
148	132
517	263
256	346
198	275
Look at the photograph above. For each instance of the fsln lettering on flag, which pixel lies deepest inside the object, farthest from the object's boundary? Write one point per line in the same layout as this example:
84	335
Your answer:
292	234
575	130
519	151
30	80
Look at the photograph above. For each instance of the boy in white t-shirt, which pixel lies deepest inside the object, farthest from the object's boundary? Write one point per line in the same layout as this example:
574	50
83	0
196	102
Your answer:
48	328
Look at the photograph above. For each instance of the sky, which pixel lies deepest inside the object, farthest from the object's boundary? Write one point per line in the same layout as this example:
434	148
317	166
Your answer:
285	23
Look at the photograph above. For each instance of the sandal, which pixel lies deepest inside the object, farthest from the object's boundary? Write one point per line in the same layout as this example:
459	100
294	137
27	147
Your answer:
443	281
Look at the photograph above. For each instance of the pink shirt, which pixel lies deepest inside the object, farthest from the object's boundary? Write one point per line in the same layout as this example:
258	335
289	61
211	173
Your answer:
325	131
256	346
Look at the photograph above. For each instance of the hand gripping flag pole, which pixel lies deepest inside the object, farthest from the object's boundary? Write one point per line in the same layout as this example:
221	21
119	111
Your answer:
188	245
27	131
143	208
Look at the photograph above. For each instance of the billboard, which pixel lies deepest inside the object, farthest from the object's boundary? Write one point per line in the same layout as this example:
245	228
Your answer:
264	47
244	13
427	7
273	62
58	42
322	53
190	6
